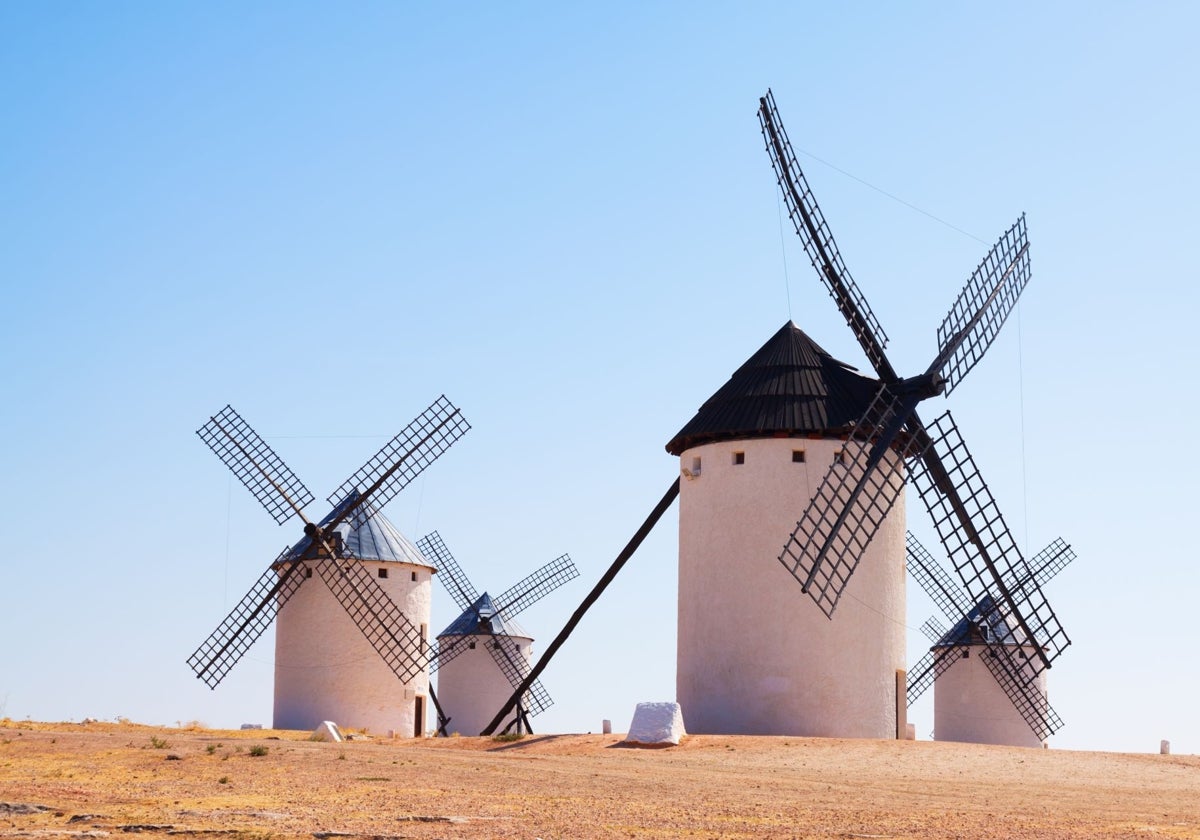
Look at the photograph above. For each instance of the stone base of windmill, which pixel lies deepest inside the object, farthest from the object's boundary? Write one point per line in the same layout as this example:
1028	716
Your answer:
656	725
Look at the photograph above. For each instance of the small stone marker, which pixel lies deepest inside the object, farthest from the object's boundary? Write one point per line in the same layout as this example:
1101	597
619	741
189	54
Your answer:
251	726
1164	747
656	724
606	726
910	732
328	731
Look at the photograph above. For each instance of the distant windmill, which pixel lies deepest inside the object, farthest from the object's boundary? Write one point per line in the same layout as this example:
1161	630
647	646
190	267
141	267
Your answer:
472	684
753	456
988	698
379	679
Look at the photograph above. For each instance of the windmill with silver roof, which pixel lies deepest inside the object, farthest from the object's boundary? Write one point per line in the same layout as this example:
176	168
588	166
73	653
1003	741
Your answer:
355	650
483	655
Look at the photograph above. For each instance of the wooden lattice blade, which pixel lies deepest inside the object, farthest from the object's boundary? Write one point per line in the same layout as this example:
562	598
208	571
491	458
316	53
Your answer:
247	621
928	668
536	586
933	630
937	583
445	651
852	501
1014	673
451	575
393	635
508	658
406	455
978	543
983	306
255	464
818	241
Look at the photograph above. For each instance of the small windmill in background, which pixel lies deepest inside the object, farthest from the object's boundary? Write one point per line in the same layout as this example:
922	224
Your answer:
990	697
473	684
358	649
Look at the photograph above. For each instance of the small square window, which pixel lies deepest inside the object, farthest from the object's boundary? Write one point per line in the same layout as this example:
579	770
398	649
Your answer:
739	458
695	466
414	577
308	571
383	573
471	645
839	457
797	456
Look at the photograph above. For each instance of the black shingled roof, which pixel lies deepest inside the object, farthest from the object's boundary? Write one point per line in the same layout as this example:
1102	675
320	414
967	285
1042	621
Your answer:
790	387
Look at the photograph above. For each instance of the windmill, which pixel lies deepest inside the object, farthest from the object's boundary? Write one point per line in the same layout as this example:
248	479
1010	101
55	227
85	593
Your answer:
749	457
392	652
474	684
987	702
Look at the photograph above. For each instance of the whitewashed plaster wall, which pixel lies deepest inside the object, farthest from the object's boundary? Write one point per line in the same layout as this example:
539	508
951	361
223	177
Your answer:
970	706
325	669
472	688
755	654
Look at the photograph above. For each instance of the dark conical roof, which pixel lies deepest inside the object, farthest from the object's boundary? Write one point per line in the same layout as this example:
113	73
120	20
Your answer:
789	387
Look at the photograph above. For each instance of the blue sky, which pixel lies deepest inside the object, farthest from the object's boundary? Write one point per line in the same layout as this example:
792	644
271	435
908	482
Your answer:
564	219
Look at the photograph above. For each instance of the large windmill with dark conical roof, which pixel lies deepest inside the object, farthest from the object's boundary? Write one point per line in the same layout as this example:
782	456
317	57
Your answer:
753	456
798	443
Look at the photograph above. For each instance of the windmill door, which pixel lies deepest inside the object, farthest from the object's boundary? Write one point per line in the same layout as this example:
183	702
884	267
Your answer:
419	717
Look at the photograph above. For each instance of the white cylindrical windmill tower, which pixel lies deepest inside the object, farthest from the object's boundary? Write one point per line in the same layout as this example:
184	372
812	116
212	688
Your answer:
326	669
755	654
969	703
472	685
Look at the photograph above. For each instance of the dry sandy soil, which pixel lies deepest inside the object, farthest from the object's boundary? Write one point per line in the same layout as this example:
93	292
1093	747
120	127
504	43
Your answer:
98	779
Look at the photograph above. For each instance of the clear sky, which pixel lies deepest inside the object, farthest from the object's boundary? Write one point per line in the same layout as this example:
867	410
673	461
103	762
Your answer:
564	219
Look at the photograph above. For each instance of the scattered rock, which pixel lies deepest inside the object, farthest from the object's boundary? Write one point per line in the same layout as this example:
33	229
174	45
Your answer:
138	828
173	757
196	832
22	808
425	818
78	818
55	832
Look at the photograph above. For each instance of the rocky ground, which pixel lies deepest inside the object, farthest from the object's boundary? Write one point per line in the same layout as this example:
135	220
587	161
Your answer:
98	779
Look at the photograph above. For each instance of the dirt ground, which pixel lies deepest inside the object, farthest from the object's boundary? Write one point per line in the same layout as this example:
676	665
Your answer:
101	779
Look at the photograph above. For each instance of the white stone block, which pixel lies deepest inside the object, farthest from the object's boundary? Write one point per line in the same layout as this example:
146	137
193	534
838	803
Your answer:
656	723
606	726
1164	747
910	732
328	731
